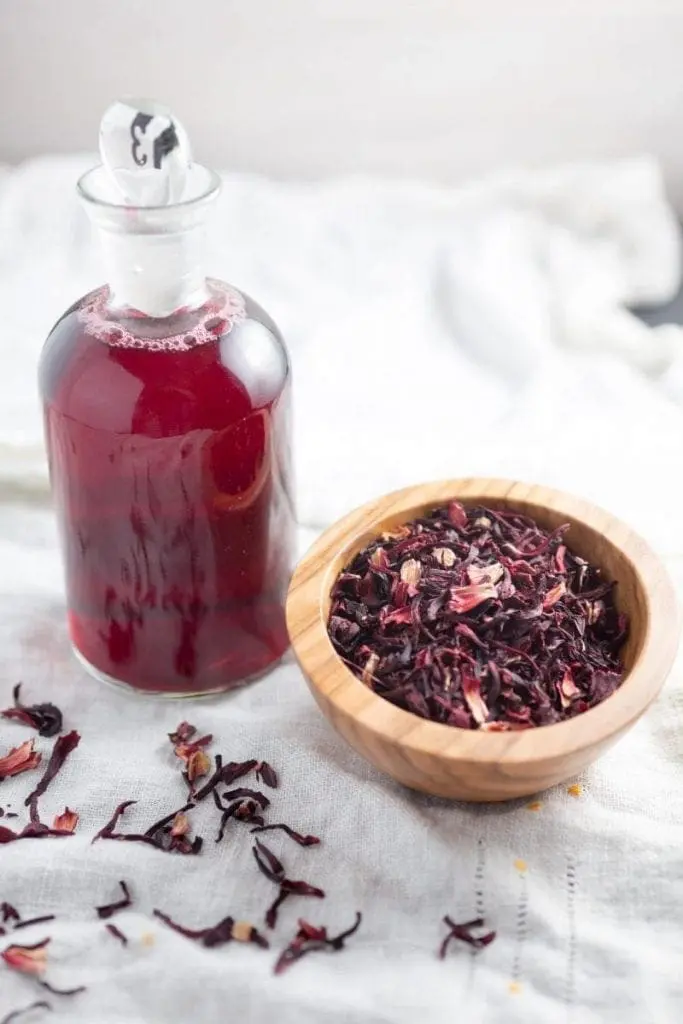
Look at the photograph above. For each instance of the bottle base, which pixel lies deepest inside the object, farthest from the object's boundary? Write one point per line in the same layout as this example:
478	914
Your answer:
140	691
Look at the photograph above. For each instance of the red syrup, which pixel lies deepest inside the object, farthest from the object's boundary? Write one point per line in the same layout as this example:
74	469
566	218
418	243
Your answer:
169	451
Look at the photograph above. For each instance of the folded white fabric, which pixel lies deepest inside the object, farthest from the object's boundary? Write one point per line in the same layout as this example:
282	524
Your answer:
434	332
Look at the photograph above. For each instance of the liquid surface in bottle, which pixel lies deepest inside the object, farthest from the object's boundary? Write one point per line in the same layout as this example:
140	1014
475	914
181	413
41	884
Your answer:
168	443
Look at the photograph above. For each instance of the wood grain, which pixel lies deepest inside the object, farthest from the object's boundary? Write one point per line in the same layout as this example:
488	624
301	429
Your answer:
467	764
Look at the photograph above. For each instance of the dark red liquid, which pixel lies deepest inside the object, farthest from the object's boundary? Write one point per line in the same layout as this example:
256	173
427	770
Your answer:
170	474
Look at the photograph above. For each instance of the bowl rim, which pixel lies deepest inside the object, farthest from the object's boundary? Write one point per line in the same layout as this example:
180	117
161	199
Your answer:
331	680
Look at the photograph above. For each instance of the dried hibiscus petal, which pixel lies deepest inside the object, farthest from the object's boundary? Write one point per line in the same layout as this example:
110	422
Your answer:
117	933
109	909
40	1004
45	718
66	822
159	835
182	734
27	959
20	759
61	750
311	939
266	774
464	933
296	836
9	913
270	866
34	920
227	930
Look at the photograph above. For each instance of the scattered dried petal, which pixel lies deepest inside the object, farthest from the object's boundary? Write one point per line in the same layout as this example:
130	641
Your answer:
61	750
45	718
40	1004
463	932
180	825
109	909
311	939
117	933
217	935
9	913
266	774
296	836
66	822
27	959
198	764
158	835
273	869
20	759
34	920
183	733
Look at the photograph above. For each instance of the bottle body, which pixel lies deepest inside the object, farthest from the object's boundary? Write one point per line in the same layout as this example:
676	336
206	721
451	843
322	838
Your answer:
169	450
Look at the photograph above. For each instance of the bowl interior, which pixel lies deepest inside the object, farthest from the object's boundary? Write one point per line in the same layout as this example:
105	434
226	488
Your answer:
583	538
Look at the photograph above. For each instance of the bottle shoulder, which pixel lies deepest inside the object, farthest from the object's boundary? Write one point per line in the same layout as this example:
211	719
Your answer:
218	364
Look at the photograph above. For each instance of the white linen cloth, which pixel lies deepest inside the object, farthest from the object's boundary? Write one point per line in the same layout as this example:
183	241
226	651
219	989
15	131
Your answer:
434	332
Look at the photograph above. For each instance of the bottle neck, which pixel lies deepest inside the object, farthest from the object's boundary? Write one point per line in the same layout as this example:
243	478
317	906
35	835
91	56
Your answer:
156	273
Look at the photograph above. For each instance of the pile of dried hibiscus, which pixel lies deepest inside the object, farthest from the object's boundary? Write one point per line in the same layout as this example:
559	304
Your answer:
478	618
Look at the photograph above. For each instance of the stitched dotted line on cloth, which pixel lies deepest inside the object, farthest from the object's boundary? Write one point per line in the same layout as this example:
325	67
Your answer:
522	923
570	978
479	879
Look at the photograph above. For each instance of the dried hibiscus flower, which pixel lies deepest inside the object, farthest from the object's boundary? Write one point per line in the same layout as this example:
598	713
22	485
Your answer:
191	752
9	913
117	933
20	759
272	868
311	939
45	718
479	618
227	930
40	1004
160	835
33	960
266	774
109	909
61	750
66	822
296	836
463	932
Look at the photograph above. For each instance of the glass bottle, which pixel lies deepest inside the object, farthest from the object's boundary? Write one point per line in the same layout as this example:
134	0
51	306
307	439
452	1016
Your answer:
167	417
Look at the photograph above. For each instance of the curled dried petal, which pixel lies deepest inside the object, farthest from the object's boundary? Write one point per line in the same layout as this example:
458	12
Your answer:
471	689
45	718
27	959
180	825
457	514
464	599
198	764
554	595
66	822
20	759
183	733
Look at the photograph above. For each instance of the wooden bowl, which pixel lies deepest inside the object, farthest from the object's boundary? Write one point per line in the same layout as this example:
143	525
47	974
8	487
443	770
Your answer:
468	764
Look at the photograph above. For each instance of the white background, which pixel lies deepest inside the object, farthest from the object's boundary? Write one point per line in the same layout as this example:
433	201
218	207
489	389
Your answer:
439	88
